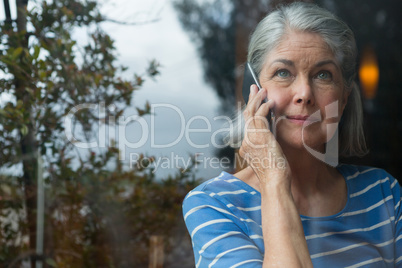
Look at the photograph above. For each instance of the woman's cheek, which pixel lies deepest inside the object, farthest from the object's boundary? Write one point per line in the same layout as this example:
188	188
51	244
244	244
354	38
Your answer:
279	101
332	110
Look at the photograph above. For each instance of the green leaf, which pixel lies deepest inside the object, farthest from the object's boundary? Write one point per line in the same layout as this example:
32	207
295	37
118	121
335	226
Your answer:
17	52
24	130
153	68
29	91
42	75
51	262
36	52
20	104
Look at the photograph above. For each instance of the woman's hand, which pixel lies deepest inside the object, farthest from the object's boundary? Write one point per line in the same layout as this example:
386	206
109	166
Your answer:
284	239
259	147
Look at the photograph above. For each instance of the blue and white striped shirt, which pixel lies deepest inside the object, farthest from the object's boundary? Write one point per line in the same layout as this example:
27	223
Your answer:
223	217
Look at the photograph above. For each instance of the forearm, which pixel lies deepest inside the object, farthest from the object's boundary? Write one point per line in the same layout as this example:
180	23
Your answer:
284	241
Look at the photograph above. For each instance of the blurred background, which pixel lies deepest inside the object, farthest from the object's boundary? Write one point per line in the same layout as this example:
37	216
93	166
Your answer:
112	110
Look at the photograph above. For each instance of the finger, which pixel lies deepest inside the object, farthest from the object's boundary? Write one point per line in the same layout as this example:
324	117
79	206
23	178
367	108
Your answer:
263	110
255	101
260	116
248	111
253	93
253	90
253	106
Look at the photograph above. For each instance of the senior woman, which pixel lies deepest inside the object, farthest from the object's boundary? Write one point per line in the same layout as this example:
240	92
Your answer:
289	207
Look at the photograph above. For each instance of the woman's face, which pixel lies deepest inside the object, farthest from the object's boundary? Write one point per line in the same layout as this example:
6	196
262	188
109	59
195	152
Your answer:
304	80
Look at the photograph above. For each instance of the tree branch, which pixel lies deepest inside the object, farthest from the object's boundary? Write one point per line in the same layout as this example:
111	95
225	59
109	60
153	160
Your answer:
131	23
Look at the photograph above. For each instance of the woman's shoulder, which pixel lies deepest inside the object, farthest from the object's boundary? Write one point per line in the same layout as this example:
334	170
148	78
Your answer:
224	184
357	172
225	191
365	180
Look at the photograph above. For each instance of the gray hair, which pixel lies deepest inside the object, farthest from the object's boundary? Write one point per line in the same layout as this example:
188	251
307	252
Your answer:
310	18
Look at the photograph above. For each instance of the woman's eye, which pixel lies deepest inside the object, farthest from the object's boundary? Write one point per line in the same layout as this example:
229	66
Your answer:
324	75
282	73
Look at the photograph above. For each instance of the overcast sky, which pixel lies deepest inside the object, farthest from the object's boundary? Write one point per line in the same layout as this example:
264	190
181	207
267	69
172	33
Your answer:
179	91
180	84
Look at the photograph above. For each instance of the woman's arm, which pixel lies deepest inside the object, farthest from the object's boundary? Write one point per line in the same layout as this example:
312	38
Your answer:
284	241
220	237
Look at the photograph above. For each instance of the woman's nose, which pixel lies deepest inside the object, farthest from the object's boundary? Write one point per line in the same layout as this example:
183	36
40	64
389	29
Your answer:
303	92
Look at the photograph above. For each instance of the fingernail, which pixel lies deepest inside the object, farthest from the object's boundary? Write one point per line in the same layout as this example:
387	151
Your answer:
253	88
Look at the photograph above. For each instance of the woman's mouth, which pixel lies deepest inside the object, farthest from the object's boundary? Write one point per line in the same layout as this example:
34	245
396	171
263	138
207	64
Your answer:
301	119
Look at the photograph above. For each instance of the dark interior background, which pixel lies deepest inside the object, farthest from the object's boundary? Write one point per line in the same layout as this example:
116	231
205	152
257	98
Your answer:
220	30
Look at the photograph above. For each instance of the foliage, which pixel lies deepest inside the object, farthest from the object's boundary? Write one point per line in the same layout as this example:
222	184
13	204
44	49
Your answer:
107	217
98	213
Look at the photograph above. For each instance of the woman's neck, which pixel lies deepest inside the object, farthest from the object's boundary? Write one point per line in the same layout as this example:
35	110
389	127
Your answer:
318	189
309	174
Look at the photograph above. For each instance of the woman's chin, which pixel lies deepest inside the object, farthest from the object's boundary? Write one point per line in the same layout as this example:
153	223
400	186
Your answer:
297	137
302	142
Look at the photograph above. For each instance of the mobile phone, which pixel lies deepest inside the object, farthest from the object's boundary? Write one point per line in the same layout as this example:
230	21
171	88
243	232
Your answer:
251	78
